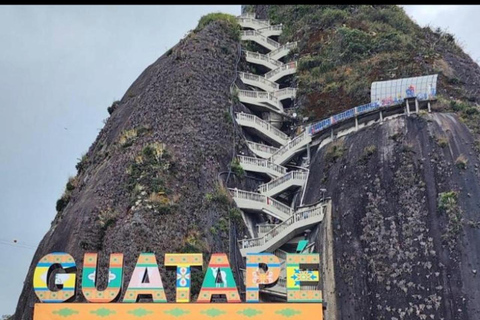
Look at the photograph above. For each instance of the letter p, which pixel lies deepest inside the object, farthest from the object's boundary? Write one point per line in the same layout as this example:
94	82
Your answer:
256	275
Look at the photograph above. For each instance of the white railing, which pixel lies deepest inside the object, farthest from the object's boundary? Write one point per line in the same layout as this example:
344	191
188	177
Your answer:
286	92
258	35
253	77
248	195
271	30
241	116
279	206
258	95
262	147
260	23
292	175
277	27
285	47
262	163
250	15
264	228
259	56
260	198
291	144
286	66
297	217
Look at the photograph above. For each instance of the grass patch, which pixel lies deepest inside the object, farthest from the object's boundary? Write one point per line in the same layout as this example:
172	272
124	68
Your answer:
367	153
448	205
461	162
233	28
335	151
107	218
82	163
148	178
220	195
127	138
237	168
67	194
442	141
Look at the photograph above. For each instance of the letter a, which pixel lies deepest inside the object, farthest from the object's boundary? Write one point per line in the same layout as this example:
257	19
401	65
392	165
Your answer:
146	280
219	280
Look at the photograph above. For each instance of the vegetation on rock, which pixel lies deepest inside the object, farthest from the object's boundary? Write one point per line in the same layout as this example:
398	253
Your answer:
344	48
228	19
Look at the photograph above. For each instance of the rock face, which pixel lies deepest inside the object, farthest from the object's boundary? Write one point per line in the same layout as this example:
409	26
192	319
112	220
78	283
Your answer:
150	181
406	237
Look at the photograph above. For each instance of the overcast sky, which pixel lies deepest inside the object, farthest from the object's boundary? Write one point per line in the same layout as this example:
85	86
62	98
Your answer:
60	68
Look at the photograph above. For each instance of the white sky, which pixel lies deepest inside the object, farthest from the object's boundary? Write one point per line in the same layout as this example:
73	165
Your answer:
60	68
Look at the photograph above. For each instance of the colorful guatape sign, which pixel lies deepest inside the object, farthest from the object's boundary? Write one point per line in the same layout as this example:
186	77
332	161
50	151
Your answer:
262	269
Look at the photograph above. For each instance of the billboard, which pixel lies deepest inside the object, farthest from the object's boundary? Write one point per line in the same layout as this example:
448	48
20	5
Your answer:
395	91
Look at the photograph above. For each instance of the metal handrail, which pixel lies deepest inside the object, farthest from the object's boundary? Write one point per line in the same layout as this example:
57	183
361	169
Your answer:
286	66
292	175
316	210
259	56
286	92
262	163
257	197
254	77
275	27
262	147
261	123
255	33
287	46
248	195
291	144
264	23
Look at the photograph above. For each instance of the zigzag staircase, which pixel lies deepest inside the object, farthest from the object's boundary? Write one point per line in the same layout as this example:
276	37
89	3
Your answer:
278	149
271	156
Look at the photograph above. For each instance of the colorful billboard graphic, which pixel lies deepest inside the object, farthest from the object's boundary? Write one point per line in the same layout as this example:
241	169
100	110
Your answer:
393	91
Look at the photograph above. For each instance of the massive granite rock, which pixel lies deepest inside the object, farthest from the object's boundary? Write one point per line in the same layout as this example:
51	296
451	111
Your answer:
151	180
405	228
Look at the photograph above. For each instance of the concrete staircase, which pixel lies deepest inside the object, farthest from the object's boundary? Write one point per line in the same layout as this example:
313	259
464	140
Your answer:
267	95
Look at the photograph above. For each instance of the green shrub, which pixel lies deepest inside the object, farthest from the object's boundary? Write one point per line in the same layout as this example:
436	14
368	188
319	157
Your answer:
220	195
107	218
227	117
113	107
335	151
235	215
442	141
461	162
355	44
237	168
448	204
127	137
71	184
368	152
230	20
447	200
235	97
331	17
82	163
62	203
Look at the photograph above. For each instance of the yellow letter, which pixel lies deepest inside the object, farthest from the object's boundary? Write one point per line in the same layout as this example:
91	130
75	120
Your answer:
183	262
64	282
